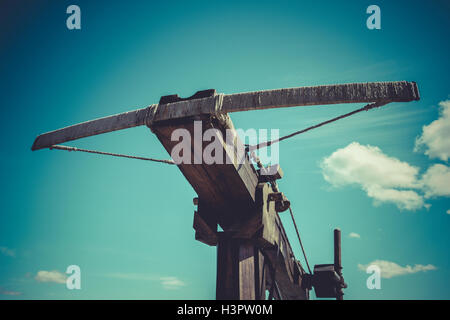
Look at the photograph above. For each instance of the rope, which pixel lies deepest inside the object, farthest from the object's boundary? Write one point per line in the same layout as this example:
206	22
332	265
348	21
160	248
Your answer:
249	148
268	143
67	148
253	156
300	240
274	185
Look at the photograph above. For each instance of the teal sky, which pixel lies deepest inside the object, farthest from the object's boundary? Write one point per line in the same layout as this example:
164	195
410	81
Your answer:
128	224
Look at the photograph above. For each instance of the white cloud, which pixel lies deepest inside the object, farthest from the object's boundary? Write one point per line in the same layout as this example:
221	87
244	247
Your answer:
436	181
368	165
9	292
171	283
386	179
448	211
7	252
403	199
435	136
354	235
383	178
392	269
51	276
167	282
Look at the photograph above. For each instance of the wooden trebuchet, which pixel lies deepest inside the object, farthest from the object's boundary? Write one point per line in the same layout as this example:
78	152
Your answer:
254	253
398	91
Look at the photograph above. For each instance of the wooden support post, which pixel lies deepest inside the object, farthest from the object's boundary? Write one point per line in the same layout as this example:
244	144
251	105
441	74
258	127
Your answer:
261	276
240	270
227	282
247	271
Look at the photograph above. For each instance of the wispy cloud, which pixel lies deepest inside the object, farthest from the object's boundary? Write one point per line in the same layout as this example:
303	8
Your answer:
8	252
171	283
51	276
354	235
167	282
391	269
9	292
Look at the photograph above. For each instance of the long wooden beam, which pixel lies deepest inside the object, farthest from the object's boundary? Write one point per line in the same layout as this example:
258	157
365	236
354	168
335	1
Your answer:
399	91
116	122
226	189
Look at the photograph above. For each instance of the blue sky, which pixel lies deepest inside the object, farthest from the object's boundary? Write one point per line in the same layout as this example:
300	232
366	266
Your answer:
128	224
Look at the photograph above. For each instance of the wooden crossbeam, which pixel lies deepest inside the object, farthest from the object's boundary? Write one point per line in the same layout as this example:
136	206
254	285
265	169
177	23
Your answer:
398	91
116	122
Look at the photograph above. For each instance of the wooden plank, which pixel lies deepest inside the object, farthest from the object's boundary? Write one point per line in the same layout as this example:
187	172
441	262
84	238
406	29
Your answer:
286	269
228	187
204	232
91	128
277	249
399	91
394	91
227	281
240	268
247	270
260	276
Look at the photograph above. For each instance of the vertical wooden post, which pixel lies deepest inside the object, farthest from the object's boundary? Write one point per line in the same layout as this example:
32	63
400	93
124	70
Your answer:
227	282
338	259
240	273
260	276
247	271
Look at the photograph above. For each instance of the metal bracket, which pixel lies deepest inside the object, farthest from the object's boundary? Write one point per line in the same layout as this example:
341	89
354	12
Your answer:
270	173
281	201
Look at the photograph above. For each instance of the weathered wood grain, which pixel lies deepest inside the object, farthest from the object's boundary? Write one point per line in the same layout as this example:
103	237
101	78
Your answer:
247	271
227	280
277	249
265	229
228	187
399	91
91	128
204	232
241	271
